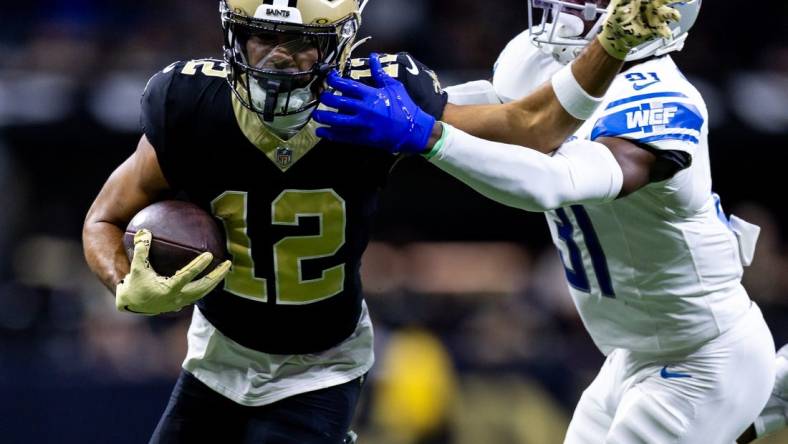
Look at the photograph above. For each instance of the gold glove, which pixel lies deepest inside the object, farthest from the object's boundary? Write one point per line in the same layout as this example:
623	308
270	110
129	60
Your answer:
630	23
143	291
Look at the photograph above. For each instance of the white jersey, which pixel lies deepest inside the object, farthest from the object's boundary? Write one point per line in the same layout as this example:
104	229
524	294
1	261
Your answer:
658	270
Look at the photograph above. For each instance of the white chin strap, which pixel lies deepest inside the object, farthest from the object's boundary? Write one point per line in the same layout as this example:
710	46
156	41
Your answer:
568	27
284	126
288	126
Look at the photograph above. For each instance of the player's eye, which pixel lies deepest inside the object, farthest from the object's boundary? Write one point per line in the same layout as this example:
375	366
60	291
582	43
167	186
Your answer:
264	39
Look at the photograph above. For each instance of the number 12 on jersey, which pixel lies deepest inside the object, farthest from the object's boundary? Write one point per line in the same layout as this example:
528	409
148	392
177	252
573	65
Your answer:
288	253
575	269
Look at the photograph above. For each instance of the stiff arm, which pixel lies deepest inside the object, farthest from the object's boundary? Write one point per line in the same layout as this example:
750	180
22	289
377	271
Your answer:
546	118
580	172
538	121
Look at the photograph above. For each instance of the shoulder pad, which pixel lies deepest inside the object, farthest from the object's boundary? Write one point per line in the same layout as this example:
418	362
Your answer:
172	93
201	67
358	68
401	66
421	82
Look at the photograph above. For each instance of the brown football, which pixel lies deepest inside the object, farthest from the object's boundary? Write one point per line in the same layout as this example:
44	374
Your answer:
181	232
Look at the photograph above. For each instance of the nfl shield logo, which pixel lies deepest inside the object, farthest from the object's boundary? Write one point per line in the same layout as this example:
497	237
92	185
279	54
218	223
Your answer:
284	156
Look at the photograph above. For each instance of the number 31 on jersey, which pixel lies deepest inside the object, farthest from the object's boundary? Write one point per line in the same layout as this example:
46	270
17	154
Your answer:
576	273
288	253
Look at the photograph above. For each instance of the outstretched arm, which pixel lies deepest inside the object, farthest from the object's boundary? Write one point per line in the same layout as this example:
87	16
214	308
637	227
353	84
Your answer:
385	116
539	121
546	118
580	172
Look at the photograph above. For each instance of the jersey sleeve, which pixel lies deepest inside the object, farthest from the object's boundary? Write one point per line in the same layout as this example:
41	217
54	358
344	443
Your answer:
663	121
155	121
421	82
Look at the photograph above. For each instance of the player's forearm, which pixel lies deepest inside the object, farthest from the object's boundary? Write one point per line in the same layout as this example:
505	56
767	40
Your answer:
505	123
595	69
551	115
103	247
581	172
540	120
102	234
135	184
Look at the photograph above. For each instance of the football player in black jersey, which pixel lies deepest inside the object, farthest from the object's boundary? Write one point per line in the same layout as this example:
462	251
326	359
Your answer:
276	354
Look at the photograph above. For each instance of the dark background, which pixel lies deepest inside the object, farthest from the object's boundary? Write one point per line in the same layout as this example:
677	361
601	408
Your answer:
465	291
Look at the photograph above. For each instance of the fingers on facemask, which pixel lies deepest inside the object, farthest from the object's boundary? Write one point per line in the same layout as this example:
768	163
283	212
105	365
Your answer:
671	14
333	119
350	88
380	76
340	103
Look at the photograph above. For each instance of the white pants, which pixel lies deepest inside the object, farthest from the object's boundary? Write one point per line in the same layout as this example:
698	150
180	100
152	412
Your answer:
707	396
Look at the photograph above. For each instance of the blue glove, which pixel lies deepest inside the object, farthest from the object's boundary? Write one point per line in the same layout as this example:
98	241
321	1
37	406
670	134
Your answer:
383	117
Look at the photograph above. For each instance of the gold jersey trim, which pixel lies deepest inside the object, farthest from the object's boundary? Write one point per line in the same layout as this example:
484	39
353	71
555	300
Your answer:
283	153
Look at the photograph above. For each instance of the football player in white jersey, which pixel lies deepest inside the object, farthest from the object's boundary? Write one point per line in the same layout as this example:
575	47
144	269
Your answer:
653	264
775	415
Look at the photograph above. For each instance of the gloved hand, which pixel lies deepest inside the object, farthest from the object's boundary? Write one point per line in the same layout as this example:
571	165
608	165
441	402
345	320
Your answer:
384	117
143	291
420	81
631	23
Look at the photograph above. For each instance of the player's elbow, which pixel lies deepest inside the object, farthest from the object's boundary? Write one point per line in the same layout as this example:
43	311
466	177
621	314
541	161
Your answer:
95	216
538	203
537	199
89	224
91	228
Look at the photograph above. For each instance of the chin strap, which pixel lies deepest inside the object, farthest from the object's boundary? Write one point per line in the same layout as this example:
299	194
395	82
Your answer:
271	96
322	70
273	90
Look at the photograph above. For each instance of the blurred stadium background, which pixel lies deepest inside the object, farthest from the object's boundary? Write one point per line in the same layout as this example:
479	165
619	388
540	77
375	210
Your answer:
477	339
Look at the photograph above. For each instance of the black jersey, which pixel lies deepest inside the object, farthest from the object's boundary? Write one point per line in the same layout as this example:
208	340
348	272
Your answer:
296	213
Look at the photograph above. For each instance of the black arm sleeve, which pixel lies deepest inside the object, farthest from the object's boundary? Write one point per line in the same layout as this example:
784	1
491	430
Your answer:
423	85
669	162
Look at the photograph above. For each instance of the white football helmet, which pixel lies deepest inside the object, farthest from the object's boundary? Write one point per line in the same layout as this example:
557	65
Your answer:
567	26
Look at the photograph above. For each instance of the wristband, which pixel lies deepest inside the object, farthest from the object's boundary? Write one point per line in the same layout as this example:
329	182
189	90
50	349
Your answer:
439	144
575	100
